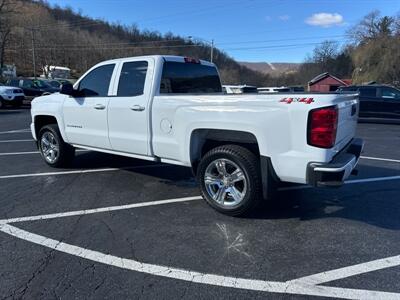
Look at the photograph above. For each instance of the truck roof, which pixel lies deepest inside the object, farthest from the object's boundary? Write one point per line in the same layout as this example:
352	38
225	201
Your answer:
164	57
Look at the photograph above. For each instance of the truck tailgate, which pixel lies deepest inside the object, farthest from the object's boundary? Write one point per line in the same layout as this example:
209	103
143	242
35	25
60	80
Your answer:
347	121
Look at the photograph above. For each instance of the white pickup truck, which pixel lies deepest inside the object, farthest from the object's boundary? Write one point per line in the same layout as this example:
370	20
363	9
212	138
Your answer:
171	109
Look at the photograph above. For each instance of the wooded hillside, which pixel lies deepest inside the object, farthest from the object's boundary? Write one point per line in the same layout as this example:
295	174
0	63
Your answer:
63	37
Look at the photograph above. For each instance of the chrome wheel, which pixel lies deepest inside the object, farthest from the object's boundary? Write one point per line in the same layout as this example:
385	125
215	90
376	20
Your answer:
49	147
225	182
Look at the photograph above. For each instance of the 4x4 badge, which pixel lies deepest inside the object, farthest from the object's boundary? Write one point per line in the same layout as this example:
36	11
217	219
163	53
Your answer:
303	100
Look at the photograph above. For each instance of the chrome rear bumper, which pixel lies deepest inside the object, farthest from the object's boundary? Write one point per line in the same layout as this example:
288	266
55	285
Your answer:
339	169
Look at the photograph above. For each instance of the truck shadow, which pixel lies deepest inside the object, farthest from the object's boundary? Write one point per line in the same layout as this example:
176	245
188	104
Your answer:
374	203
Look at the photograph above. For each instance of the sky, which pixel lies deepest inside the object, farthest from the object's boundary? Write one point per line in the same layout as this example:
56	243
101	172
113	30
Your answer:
247	30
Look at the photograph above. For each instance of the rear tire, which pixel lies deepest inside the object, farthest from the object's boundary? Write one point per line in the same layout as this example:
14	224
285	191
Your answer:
2	104
55	152
17	104
230	180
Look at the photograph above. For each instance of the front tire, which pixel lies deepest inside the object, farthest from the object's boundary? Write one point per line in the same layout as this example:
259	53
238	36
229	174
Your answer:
55	152
17	104
230	180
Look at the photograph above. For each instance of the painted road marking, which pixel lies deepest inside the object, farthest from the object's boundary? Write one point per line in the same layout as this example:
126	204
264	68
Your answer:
99	210
381	159
16	131
79	171
302	286
33	152
16	141
345	272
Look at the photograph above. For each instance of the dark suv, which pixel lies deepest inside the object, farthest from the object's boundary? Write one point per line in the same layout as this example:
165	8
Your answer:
377	101
32	87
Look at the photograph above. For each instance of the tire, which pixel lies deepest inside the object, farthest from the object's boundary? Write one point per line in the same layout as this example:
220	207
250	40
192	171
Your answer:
54	151
238	192
2	104
17	103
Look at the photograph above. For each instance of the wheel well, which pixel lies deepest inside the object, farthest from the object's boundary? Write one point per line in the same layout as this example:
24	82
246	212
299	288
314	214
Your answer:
41	121
203	140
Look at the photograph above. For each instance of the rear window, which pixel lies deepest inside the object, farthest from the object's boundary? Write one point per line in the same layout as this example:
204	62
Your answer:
184	78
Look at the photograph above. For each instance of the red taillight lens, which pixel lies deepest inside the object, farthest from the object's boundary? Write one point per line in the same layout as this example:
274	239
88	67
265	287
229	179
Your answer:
322	127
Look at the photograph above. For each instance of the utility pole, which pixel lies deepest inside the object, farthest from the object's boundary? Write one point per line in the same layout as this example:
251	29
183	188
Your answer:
209	43
33	52
212	50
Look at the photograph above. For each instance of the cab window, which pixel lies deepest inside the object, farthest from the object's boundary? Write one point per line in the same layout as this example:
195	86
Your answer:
132	79
97	82
390	93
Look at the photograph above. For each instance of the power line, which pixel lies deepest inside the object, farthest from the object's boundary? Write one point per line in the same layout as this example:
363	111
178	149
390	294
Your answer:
287	39
275	46
197	42
82	48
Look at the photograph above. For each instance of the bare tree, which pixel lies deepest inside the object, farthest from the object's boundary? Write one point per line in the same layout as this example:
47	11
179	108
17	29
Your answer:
373	26
7	12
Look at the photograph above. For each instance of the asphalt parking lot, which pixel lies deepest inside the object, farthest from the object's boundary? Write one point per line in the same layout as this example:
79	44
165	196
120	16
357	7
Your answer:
112	227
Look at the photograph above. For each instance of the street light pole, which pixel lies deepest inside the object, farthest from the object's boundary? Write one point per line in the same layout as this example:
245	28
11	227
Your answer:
212	50
210	43
33	52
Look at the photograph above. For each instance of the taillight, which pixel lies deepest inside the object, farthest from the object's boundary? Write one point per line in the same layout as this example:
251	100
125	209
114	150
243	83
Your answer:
322	127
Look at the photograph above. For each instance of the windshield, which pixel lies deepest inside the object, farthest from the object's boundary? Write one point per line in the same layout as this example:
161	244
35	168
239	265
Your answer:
41	84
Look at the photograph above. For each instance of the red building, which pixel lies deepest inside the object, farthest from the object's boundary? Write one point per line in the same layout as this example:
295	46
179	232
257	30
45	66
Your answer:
326	82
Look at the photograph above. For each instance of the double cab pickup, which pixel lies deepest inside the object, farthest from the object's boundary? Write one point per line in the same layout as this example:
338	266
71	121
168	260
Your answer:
171	109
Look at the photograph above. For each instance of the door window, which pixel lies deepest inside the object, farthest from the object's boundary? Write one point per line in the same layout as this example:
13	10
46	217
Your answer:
97	82
390	93
368	92
132	79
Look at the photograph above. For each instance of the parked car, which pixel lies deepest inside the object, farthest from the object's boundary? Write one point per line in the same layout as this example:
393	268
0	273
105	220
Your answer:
239	89
56	83
282	89
11	96
271	89
171	109
377	101
32	87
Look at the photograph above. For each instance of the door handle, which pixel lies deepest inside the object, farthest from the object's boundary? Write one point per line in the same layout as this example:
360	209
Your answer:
99	106
137	108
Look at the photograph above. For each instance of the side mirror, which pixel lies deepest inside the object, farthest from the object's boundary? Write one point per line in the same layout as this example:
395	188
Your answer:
67	89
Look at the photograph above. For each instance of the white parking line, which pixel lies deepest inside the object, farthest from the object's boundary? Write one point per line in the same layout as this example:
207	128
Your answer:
79	171
16	141
16	131
381	159
98	210
349	271
18	153
33	152
302	286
